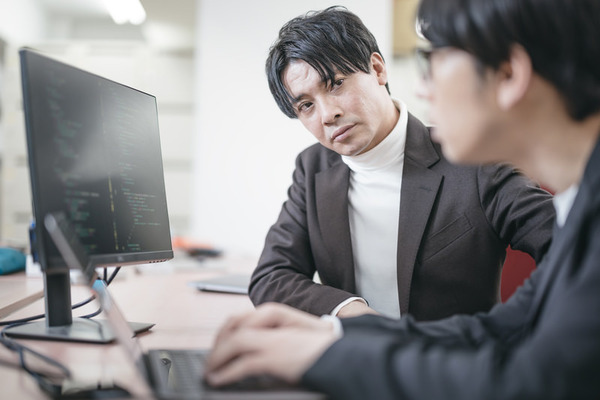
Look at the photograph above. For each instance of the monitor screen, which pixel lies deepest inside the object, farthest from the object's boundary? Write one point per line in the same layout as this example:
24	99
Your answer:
94	154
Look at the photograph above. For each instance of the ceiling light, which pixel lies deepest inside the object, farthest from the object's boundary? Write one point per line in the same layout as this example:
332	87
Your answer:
126	11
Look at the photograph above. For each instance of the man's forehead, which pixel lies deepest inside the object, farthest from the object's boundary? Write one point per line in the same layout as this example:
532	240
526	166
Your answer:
301	75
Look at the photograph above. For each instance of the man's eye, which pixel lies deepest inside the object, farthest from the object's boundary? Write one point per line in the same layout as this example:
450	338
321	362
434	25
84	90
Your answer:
304	106
338	82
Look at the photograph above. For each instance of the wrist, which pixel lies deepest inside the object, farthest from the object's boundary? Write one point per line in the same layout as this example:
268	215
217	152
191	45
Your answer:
336	325
354	309
337	309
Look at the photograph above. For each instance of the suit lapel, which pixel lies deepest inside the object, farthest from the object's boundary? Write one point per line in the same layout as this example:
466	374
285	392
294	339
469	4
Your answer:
331	187
420	186
566	238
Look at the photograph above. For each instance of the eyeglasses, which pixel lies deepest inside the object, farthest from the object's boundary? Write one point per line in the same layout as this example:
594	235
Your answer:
423	57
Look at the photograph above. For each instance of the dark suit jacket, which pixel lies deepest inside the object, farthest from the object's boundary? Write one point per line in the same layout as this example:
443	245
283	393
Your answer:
543	343
455	224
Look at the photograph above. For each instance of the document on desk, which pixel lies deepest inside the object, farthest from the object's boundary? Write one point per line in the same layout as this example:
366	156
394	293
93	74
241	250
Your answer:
18	293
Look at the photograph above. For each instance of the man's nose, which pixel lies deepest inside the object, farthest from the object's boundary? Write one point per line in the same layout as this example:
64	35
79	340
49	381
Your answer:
330	111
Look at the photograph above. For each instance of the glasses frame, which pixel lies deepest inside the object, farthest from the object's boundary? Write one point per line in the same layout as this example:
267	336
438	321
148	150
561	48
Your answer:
423	59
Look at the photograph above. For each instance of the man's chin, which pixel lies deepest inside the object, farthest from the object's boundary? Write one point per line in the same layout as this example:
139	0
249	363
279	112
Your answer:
349	151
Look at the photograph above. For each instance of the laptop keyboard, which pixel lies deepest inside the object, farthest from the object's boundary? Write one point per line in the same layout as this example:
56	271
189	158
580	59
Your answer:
185	369
188	367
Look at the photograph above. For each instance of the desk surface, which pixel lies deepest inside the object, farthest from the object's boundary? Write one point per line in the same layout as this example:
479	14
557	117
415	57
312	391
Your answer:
16	293
184	318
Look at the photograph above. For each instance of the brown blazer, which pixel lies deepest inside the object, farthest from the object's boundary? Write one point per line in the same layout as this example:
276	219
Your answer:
455	225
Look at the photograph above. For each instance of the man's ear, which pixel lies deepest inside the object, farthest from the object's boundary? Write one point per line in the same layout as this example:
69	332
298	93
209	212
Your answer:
514	78
379	68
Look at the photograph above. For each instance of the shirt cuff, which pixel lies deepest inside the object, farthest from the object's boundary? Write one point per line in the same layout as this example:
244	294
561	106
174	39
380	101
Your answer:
338	331
343	303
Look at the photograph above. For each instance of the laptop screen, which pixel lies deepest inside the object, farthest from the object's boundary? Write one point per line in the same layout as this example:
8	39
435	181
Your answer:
67	243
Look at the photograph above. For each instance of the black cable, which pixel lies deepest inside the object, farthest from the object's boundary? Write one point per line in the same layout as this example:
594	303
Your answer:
73	307
112	276
40	316
107	281
44	380
22	320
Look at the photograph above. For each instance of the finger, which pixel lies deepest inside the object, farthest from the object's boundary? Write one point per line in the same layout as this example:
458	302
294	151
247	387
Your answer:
232	346
233	340
274	315
282	353
248	364
267	315
231	325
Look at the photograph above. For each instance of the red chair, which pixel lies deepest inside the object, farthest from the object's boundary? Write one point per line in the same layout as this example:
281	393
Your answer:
517	267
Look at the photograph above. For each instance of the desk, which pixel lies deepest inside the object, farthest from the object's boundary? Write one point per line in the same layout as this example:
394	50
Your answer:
184	317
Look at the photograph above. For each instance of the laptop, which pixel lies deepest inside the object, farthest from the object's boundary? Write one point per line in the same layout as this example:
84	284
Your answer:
235	284
161	373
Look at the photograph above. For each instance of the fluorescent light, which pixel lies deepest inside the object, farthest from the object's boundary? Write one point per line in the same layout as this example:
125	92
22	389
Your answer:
126	11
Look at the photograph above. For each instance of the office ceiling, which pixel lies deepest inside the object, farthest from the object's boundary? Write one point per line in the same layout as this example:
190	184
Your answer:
78	8
176	10
169	22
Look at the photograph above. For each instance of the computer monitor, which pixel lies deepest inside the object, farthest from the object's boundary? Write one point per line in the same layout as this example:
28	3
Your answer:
94	154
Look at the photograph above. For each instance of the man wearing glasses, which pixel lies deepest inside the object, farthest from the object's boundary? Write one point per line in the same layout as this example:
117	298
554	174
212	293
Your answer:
374	208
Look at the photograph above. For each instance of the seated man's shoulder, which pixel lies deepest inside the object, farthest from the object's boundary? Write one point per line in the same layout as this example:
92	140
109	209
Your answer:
489	171
318	154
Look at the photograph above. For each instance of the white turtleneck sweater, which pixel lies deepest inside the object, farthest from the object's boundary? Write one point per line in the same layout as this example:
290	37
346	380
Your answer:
374	209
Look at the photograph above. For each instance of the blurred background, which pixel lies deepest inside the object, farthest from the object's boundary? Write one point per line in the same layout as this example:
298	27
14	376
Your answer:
228	151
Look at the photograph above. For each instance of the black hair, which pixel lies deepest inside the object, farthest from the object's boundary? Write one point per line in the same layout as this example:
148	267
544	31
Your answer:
331	41
560	37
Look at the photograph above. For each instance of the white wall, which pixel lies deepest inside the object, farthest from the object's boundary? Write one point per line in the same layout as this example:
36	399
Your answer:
21	21
245	147
13	17
163	69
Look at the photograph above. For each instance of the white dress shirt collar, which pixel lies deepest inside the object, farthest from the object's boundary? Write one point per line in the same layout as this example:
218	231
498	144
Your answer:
563	202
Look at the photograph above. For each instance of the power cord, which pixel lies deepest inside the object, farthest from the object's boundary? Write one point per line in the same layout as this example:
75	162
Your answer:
82	303
107	281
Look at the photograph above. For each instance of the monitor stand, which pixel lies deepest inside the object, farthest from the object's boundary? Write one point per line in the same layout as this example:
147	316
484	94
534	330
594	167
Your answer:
59	323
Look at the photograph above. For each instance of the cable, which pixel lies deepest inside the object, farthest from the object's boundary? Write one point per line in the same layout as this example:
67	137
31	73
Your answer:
40	316
107	281
73	307
42	379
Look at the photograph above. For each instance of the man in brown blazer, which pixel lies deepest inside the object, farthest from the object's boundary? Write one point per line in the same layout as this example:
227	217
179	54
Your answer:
533	100
375	209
